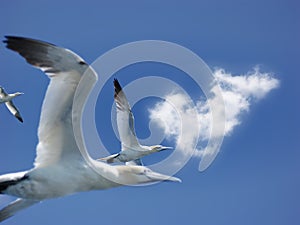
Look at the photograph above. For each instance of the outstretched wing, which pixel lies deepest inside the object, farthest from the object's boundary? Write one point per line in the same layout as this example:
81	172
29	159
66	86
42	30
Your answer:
125	119
14	207
65	69
13	109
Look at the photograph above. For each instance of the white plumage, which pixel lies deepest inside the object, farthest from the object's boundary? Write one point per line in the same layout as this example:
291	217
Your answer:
7	99
131	150
60	168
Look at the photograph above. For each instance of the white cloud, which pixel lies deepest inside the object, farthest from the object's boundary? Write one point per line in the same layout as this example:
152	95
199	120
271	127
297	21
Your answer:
254	84
239	92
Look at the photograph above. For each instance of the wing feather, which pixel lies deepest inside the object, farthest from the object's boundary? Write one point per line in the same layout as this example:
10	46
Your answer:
13	109
65	69
14	207
125	119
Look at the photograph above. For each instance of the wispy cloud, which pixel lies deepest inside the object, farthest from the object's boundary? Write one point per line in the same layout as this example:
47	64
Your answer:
239	92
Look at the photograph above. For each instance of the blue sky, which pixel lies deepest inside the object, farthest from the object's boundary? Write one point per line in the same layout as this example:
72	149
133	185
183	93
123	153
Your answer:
255	178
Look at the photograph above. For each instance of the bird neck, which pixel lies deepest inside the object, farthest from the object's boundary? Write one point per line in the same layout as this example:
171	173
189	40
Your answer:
145	147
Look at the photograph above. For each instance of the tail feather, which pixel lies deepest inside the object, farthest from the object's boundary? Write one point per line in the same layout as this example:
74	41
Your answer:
110	159
14	207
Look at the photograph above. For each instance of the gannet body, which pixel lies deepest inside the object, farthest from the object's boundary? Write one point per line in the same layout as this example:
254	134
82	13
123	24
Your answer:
7	99
60	168
131	150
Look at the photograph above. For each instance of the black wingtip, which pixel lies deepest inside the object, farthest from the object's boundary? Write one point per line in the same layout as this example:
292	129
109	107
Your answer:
6	38
12	40
19	118
117	86
34	51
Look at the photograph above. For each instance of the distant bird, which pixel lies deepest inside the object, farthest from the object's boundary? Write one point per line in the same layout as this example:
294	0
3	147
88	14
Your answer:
60	168
7	99
132	151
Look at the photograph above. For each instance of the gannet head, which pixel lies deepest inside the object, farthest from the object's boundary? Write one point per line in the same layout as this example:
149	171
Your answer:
158	148
140	174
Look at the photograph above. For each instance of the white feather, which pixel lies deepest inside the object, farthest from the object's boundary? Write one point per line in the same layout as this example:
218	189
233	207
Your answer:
62	165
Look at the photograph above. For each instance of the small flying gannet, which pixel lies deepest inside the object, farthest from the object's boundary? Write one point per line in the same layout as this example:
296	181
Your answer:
132	150
7	99
60	168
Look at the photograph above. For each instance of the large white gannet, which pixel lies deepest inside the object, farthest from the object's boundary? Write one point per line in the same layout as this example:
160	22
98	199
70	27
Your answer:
131	149
60	168
7	99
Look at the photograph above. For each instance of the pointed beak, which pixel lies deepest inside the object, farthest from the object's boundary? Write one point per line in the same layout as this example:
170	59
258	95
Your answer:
166	148
161	177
